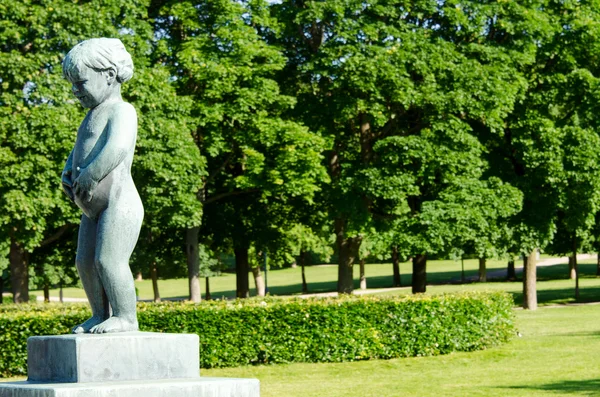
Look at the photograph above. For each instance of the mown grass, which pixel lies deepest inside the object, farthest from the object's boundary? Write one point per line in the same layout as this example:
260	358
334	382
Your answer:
288	281
554	285
556	356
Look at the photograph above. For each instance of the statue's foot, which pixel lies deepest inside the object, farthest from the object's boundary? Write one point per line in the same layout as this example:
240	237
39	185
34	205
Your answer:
87	325
115	324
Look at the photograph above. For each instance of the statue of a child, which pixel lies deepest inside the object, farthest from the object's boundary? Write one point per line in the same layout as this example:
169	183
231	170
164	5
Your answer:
97	177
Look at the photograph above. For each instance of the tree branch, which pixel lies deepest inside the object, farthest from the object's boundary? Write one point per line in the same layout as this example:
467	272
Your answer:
56	236
221	196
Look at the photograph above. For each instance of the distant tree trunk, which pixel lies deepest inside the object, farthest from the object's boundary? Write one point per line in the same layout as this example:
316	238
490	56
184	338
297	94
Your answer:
419	277
242	287
572	271
363	278
1	289
207	289
193	263
575	267
46	293
511	274
597	266
61	295
396	267
348	252
259	281
482	270
302	258
154	276
529	282
19	272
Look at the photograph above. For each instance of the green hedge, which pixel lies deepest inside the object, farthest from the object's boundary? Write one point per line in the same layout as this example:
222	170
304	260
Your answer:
258	331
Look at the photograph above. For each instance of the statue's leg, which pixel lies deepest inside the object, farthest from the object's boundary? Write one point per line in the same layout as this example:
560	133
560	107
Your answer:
118	231
86	247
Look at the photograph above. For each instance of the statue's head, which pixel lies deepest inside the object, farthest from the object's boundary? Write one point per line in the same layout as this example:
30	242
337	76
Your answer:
96	68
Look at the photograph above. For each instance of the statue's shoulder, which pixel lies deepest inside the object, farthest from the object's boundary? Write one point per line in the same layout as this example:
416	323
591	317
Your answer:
122	111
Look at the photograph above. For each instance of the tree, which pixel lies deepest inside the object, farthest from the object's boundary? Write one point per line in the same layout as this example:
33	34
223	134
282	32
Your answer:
386	86
210	266
39	116
255	156
168	173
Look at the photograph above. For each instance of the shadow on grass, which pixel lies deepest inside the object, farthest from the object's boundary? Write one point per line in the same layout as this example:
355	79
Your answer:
588	387
562	296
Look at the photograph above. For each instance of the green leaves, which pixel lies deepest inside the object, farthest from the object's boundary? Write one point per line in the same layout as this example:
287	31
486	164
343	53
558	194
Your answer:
269	331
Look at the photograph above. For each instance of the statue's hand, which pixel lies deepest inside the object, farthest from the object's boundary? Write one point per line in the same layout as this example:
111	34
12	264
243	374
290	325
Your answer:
67	184
84	186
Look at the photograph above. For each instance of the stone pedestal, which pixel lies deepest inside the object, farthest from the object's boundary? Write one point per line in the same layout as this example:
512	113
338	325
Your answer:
132	364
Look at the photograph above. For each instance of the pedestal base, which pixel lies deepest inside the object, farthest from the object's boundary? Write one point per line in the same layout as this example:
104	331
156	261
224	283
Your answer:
201	387
117	357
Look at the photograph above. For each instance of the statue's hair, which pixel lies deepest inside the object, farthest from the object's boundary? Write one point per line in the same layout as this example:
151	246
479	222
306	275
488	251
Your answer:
100	54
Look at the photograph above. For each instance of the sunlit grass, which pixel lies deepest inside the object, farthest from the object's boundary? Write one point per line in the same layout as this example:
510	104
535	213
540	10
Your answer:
288	281
556	355
554	285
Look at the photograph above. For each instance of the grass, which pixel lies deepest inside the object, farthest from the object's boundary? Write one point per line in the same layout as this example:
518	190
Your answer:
320	279
554	286
556	355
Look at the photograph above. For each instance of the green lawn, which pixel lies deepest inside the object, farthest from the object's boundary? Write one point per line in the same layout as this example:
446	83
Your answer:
557	355
320	279
554	287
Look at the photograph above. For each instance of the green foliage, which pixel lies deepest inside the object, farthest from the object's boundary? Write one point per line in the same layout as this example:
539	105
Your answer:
234	333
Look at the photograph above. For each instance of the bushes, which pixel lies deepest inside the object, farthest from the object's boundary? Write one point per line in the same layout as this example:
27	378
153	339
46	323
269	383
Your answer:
234	333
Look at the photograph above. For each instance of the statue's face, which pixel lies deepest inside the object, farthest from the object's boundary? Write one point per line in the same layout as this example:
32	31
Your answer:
91	87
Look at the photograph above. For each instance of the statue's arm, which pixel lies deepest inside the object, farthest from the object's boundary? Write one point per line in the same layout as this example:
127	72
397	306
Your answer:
121	131
67	182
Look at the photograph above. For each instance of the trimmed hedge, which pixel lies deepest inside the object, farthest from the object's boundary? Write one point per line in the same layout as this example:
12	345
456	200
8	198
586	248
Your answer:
259	331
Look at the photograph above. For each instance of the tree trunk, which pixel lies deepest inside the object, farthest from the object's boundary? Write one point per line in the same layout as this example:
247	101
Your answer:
482	271
529	282
597	265
242	287
419	277
193	263
572	272
207	295
1	289
396	267
302	259
154	276
61	295
347	254
575	267
511	274
19	272
259	281
46	293
363	278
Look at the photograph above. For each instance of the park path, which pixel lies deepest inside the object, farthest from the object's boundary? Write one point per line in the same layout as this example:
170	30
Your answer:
498	273
502	273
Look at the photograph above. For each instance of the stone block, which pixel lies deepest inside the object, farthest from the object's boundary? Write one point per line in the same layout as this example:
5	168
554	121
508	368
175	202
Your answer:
201	387
112	357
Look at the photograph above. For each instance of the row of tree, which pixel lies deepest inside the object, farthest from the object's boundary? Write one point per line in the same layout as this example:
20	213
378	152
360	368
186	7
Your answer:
382	128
